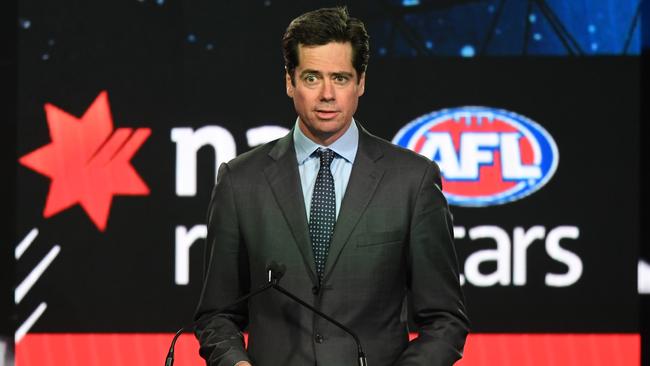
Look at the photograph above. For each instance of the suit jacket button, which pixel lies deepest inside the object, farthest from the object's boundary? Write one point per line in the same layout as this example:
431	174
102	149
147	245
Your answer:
314	290
319	338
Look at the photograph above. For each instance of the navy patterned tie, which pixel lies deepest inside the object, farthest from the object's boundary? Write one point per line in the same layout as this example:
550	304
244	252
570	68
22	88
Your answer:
322	214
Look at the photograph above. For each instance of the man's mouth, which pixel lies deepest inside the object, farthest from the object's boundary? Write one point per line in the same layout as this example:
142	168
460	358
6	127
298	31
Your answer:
326	113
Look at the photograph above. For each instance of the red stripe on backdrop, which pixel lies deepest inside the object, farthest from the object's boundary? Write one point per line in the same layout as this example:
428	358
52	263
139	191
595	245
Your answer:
90	349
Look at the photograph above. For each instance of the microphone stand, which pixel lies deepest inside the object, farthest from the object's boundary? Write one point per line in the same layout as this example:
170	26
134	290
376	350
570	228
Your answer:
169	361
274	283
361	357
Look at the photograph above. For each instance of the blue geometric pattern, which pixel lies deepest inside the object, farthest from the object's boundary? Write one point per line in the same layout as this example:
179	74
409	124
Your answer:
475	28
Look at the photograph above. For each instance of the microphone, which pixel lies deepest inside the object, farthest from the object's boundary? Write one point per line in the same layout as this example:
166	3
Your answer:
275	271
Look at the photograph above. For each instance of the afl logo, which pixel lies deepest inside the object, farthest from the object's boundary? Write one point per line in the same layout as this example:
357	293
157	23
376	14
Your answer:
486	156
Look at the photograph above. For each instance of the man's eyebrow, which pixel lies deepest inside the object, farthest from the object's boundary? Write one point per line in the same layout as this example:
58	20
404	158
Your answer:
337	73
343	73
308	71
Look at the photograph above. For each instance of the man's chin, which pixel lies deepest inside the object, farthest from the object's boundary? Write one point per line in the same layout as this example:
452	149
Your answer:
324	130
329	128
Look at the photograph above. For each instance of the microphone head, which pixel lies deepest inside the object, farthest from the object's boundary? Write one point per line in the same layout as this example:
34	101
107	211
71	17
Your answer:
276	270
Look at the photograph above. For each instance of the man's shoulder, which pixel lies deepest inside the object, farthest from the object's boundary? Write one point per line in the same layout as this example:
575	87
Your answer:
404	165
258	157
397	155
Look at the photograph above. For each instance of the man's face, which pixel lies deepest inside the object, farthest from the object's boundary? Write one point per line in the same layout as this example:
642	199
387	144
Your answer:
326	91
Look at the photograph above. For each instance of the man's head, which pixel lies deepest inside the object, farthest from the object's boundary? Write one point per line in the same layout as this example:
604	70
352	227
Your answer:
323	26
326	55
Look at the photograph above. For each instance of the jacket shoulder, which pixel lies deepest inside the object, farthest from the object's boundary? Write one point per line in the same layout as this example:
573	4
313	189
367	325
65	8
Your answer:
255	159
394	154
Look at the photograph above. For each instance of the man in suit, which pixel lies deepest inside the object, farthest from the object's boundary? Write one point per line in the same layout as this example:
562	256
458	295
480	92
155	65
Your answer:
358	222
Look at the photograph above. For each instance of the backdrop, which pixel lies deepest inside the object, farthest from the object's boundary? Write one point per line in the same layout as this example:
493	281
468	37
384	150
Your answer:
125	109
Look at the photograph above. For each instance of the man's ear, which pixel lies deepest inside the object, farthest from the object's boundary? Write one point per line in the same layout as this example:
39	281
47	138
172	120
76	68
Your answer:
289	84
361	88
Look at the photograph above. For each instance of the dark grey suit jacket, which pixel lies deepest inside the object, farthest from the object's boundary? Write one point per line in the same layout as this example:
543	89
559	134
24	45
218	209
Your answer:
393	235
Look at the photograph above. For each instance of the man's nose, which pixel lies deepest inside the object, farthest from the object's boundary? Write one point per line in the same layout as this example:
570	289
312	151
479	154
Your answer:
327	91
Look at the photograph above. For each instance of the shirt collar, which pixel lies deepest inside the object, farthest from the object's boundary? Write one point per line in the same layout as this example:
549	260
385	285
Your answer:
345	146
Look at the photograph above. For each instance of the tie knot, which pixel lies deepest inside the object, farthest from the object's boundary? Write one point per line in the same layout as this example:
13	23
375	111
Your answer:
326	157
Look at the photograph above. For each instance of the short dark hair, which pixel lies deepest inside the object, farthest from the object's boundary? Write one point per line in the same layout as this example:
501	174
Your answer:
322	26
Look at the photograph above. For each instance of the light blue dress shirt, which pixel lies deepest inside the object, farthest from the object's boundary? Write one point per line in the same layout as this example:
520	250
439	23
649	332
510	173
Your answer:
309	163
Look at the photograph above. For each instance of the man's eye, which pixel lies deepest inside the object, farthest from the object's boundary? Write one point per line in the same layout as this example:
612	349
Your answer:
340	79
310	79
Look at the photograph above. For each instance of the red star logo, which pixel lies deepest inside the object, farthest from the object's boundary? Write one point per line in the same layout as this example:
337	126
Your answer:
87	162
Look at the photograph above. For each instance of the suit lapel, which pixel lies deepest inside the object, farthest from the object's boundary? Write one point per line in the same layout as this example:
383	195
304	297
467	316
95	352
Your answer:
284	179
364	178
